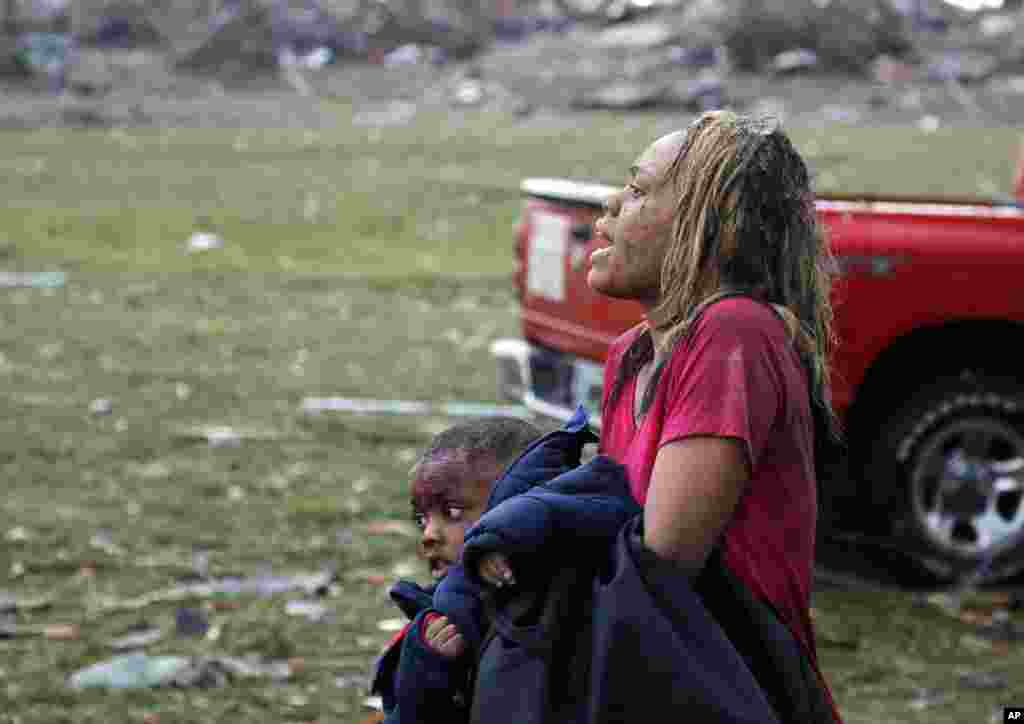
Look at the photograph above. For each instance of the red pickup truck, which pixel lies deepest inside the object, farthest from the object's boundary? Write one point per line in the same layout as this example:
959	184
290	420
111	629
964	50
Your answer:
929	304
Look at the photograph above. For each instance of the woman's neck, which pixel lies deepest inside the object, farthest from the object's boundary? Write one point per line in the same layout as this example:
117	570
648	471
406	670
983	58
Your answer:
657	334
658	338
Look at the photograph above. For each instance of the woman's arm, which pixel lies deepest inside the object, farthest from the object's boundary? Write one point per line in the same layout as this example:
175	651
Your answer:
695	487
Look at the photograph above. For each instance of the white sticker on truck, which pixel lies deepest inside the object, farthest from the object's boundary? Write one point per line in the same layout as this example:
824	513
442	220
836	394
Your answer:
549	238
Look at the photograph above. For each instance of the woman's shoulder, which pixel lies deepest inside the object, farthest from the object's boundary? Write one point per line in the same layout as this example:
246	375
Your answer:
741	316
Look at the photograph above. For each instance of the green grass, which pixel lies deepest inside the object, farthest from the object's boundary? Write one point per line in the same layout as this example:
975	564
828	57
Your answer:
379	299
436	196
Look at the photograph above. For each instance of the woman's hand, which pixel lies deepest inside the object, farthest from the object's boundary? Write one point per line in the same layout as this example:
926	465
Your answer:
495	570
443	637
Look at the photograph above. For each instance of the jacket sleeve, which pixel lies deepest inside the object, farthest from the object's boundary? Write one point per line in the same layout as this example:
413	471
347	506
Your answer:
545	459
427	684
586	505
644	609
411	599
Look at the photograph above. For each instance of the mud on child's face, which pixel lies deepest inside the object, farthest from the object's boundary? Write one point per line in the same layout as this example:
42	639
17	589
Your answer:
448	492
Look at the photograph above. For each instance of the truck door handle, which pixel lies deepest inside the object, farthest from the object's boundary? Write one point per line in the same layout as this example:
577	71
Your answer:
581	232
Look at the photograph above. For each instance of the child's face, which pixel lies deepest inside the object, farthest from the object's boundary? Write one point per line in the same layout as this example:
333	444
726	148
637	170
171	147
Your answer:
449	493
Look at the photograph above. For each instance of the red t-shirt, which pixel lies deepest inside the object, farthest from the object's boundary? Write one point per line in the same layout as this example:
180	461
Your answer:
736	374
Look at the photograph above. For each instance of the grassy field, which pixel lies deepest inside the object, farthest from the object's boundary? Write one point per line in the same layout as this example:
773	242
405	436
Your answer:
435	196
364	262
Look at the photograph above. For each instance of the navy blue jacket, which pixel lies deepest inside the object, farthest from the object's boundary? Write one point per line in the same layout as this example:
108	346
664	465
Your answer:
418	685
600	630
597	629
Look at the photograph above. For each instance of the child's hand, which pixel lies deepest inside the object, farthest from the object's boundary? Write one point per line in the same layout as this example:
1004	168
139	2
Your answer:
494	569
443	637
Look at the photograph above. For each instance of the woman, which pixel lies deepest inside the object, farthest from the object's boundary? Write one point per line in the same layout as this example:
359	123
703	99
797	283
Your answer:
710	402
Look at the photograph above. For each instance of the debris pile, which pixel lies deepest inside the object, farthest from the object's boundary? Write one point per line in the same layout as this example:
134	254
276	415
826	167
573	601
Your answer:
617	54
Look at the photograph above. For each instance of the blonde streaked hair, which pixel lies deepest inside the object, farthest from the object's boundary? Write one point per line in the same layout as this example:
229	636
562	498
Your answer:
745	221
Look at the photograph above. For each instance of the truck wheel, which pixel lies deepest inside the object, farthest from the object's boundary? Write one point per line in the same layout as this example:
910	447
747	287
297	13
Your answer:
950	470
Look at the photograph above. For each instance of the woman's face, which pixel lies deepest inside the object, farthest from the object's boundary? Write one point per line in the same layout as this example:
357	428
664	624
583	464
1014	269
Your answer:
637	227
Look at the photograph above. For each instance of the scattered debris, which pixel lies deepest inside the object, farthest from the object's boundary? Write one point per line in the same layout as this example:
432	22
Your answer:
374	702
962	66
18	534
51	631
251	667
372	577
703	94
891	71
102	540
10	603
623	96
835	113
794	61
989	613
700	56
240	39
636	36
34	280
997	25
189	621
926	698
45	54
367	406
313	610
515	28
845	35
414	54
100	407
929	123
262	585
122	26
142	671
986	680
346	681
134	671
203	241
468	92
225	436
1013	84
61	631
137	637
90	75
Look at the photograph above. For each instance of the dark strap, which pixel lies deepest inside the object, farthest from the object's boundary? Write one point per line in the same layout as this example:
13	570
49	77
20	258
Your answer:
772	653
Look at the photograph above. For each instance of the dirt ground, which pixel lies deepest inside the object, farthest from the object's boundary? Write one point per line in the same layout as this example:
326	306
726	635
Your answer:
542	75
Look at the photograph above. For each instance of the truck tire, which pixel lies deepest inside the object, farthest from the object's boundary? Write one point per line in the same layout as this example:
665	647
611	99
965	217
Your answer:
949	471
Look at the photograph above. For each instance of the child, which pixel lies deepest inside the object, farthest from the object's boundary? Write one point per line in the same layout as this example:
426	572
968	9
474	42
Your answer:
449	489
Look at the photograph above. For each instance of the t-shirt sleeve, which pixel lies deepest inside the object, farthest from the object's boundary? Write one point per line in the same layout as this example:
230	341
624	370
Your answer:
725	381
